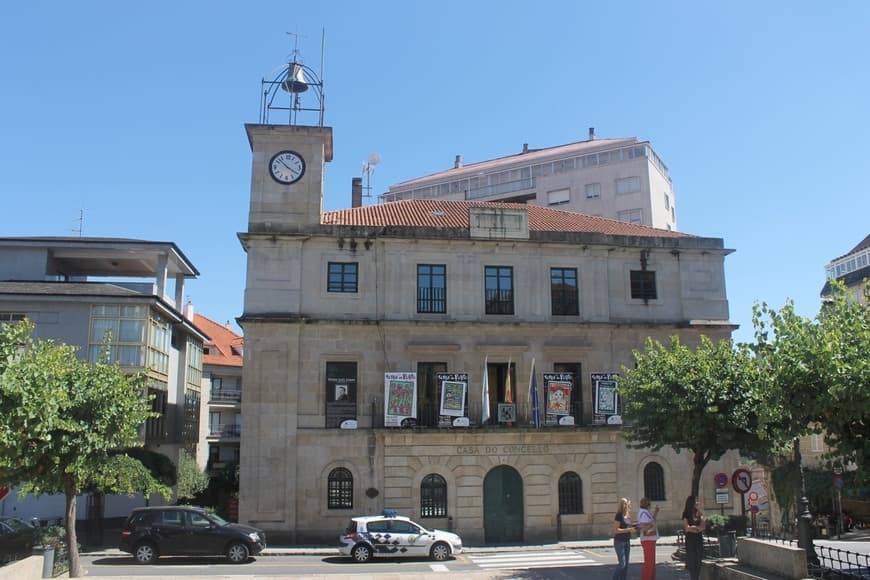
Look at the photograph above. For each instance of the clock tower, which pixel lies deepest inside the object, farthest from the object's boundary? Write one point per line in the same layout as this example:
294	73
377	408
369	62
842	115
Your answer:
287	170
287	176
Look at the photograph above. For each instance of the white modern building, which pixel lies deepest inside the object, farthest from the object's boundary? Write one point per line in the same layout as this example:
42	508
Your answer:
622	179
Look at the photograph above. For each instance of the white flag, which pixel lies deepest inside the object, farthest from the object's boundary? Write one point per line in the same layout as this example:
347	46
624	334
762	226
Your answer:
484	411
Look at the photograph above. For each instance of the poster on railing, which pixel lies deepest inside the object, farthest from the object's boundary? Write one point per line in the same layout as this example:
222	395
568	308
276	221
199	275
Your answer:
558	390
606	402
400	395
454	393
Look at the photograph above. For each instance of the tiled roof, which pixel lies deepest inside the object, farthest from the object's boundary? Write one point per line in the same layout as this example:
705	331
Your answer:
530	157
225	346
454	214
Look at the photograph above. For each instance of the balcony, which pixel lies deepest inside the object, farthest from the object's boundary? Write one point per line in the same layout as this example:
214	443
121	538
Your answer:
499	188
226	396
229	431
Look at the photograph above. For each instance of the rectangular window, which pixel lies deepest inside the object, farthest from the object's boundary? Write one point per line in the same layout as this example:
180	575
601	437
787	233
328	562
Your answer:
628	185
194	363
343	277
121	330
559	196
643	285
431	288
632	216
11	317
340	392
667	202
563	291
499	289
593	190
155	427
190	429
428	392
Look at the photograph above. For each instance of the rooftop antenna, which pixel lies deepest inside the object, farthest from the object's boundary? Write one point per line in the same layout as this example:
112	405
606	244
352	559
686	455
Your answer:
81	221
294	80
368	169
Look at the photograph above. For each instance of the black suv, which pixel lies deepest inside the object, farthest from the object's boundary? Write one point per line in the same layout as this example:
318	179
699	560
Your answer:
187	531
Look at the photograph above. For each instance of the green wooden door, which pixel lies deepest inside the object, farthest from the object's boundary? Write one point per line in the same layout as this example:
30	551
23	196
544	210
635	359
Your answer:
503	506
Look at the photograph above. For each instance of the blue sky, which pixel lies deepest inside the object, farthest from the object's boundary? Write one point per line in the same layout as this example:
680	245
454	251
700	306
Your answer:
134	112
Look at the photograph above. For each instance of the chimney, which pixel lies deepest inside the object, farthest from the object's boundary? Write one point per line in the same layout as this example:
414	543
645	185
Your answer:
458	162
525	147
188	311
592	133
356	192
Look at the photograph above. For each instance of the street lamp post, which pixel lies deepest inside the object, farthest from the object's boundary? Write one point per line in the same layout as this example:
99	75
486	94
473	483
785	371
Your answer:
805	518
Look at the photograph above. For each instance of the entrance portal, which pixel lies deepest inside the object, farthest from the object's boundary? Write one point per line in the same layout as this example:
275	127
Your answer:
503	506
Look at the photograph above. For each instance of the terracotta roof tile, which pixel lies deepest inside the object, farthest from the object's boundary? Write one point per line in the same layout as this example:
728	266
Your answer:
454	214
225	346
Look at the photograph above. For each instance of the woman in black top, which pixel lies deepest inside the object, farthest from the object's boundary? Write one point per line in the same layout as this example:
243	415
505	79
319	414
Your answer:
622	531
693	523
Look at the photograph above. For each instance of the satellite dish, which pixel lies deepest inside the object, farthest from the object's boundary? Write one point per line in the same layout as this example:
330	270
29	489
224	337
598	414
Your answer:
374	159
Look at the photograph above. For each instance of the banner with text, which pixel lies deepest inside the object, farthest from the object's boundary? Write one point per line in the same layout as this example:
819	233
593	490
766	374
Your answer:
400	398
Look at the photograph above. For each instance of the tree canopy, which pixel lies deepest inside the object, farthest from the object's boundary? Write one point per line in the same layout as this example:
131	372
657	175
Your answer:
707	400
62	421
819	373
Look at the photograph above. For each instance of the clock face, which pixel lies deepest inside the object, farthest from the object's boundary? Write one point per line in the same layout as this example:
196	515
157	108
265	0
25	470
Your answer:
287	167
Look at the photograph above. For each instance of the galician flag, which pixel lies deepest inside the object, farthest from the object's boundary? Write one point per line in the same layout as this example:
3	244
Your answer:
533	397
484	411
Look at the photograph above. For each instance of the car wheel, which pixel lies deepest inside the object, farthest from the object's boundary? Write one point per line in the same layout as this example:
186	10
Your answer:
361	553
440	552
238	553
145	553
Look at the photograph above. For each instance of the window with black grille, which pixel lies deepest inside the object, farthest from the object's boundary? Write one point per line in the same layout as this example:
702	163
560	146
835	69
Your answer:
340	489
433	497
499	289
570	493
643	285
563	291
654	482
431	288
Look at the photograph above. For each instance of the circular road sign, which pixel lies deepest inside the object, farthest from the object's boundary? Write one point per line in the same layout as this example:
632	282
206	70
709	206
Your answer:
741	480
3	492
720	479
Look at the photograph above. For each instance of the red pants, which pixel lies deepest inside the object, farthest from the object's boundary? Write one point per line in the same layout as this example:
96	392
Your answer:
648	572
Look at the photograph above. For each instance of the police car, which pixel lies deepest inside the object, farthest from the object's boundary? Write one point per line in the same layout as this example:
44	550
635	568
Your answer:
391	535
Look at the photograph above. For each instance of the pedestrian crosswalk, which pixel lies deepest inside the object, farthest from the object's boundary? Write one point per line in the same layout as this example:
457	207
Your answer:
527	560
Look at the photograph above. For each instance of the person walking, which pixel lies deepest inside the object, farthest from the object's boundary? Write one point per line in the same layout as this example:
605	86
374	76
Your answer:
622	530
649	534
693	523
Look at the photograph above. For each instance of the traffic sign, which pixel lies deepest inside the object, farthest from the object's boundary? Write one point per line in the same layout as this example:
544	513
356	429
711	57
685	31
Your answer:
741	480
753	497
722	496
4	491
839	482
754	509
720	479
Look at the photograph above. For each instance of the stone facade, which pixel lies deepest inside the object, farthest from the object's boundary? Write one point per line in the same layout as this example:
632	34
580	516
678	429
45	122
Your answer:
299	328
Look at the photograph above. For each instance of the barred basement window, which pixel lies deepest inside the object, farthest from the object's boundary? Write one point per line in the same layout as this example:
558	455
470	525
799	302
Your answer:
570	493
433	497
340	489
654	482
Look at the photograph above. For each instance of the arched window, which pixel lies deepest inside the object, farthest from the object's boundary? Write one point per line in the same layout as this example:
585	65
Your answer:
340	489
654	482
433	497
570	493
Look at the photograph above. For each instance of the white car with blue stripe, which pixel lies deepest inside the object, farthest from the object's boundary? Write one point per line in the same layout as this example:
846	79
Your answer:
391	535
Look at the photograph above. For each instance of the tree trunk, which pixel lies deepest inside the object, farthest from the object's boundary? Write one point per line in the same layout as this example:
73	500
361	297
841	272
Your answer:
71	540
700	460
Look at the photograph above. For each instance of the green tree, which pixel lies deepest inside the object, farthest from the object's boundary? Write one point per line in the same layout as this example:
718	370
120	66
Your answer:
61	418
819	373
191	479
706	401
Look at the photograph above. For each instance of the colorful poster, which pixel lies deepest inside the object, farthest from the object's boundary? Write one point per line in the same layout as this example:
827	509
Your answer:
400	395
606	402
453	398
558	398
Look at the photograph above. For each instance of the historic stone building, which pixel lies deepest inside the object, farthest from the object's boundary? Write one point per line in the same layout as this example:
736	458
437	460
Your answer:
389	351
